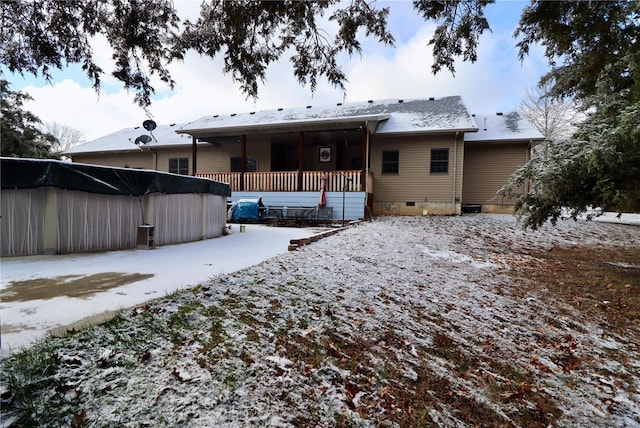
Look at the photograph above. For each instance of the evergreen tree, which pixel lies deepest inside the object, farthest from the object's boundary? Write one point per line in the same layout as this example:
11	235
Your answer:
599	166
20	135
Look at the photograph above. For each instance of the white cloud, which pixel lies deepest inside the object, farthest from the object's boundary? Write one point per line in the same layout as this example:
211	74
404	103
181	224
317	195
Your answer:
69	103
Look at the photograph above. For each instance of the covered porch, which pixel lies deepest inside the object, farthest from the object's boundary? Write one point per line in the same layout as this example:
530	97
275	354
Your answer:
289	164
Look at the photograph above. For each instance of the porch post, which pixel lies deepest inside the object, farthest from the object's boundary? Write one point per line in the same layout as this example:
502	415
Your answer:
194	155
365	161
300	158
243	159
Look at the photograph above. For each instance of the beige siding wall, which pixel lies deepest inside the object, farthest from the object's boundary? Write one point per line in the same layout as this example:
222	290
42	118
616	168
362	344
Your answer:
260	148
487	168
216	159
141	159
213	158
165	155
414	183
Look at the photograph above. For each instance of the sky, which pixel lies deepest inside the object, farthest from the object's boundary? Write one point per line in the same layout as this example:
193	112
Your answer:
497	82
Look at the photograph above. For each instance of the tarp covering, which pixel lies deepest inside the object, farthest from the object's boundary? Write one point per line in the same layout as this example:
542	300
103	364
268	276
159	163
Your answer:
245	209
19	173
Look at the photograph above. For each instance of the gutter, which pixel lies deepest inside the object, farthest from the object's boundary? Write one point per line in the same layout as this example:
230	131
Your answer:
455	170
281	126
428	131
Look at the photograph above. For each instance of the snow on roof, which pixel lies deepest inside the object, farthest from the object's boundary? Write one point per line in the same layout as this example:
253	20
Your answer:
503	127
395	116
124	140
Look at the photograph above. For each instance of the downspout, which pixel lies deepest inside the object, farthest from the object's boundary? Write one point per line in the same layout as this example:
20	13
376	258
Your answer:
527	158
154	161
194	155
455	171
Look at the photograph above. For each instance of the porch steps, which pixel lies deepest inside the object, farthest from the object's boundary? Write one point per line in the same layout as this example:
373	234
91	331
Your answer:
294	244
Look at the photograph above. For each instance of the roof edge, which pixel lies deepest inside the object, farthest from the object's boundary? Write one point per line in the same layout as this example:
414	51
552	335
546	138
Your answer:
285	125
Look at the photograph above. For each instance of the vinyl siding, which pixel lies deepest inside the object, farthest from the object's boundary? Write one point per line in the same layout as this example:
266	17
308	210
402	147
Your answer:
165	155
143	160
414	182
487	168
213	158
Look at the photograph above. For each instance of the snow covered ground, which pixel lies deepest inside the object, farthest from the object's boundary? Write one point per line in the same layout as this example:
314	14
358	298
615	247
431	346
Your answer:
611	217
402	321
144	274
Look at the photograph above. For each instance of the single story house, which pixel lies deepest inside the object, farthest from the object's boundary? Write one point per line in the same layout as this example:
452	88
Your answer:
404	157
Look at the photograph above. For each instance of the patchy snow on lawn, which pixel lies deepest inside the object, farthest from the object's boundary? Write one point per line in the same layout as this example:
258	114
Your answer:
33	289
394	322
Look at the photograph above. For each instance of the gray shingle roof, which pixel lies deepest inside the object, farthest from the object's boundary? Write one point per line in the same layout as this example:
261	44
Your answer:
503	127
446	114
395	116
123	140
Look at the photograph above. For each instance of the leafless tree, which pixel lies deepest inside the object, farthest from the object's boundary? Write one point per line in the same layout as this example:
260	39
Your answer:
556	119
66	136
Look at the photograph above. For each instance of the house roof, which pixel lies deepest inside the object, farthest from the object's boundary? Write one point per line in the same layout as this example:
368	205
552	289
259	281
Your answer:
124	140
503	127
447	114
431	115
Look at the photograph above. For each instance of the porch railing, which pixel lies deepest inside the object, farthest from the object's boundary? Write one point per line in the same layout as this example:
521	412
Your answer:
290	181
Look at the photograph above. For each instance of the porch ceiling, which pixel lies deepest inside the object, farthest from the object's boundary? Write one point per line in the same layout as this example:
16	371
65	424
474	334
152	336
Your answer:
317	125
311	138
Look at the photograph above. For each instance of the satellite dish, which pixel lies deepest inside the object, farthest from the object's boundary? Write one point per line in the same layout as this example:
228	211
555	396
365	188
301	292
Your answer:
143	139
149	125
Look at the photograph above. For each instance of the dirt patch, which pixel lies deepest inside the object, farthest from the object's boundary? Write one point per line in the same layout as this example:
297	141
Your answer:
67	285
600	282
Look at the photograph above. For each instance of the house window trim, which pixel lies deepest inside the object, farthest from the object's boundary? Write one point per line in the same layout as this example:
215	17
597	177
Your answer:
384	163
435	165
180	169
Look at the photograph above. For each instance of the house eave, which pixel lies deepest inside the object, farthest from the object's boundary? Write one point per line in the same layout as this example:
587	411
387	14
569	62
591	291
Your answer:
289	126
428	131
533	141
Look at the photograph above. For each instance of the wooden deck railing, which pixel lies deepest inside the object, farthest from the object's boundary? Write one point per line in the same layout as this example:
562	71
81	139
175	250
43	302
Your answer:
287	181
